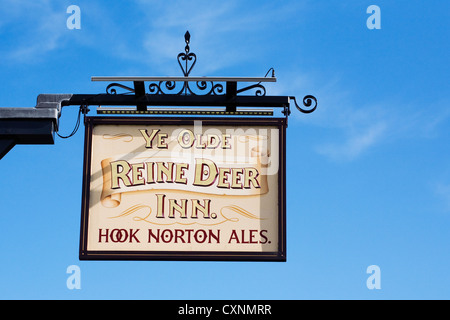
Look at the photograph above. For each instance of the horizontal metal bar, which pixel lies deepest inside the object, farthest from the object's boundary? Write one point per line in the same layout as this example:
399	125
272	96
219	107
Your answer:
184	109
175	100
186	79
187	111
182	112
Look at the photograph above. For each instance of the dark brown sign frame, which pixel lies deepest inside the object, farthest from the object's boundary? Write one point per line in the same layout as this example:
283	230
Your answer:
279	255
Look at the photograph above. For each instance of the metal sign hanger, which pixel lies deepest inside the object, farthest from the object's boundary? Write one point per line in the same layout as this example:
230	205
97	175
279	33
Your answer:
165	95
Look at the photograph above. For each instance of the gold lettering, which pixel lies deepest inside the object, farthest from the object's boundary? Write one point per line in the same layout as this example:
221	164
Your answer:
116	175
179	178
235	178
213	141
150	178
160	205
199	143
196	206
186	142
225	142
251	175
204	167
137	174
163	170
222	183
187	139
173	205
148	138
161	143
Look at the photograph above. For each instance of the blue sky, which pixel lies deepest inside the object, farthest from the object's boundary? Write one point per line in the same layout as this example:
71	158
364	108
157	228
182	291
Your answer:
368	171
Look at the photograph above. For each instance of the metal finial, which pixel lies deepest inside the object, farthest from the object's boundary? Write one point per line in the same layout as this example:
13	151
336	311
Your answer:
187	39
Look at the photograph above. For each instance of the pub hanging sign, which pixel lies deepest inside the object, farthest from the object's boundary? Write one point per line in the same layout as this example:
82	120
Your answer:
184	189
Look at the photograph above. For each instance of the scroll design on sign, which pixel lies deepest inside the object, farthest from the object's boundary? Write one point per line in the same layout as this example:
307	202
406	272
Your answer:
147	210
259	158
127	137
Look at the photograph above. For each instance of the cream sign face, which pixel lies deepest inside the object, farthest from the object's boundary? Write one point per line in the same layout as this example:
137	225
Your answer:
186	189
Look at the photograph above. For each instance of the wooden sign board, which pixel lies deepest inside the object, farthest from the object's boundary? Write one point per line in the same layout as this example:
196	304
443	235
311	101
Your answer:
184	189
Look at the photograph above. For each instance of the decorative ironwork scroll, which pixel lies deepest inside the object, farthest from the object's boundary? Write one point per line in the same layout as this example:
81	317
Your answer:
201	86
307	102
186	60
110	89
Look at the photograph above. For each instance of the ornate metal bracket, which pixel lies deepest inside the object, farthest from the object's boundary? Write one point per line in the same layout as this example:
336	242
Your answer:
38	125
307	102
204	86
